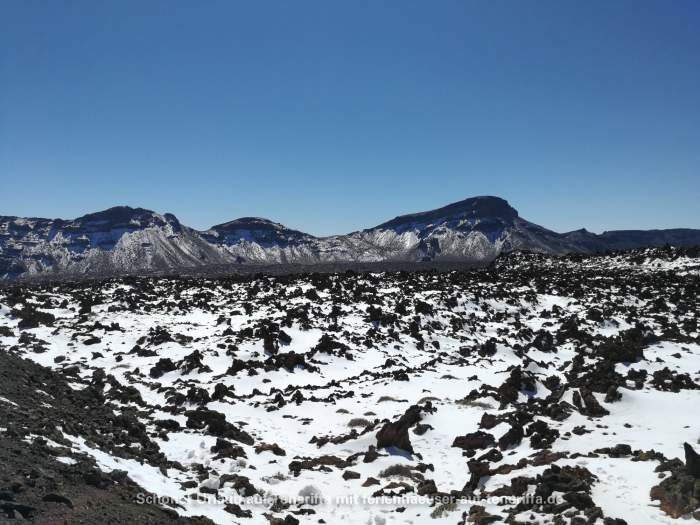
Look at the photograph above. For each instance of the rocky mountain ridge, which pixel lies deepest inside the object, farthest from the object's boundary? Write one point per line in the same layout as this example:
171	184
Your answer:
131	240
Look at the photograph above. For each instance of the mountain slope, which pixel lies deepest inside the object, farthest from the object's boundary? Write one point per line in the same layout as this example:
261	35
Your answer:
473	229
117	239
254	239
128	240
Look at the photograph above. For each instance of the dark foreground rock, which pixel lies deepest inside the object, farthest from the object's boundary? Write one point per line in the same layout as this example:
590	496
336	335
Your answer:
35	487
679	494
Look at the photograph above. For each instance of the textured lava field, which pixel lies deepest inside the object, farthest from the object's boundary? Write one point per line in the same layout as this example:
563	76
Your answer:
539	390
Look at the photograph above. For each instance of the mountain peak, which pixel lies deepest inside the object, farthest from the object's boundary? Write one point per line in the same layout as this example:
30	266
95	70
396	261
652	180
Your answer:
255	223
124	218
484	206
117	214
481	207
254	229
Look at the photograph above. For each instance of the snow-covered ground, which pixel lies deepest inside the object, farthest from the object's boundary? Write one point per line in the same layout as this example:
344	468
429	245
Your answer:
319	364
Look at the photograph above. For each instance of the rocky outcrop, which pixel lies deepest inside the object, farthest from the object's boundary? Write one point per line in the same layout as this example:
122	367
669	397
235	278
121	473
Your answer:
679	494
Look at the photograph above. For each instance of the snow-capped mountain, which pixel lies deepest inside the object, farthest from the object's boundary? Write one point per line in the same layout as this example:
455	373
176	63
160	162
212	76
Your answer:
115	240
478	228
124	239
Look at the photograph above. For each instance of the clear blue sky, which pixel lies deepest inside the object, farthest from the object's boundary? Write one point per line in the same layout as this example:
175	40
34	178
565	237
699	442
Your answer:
330	116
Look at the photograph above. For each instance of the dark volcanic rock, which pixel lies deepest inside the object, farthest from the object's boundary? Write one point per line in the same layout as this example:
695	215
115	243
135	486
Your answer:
587	404
215	423
396	434
512	437
692	461
679	494
478	439
161	367
39	499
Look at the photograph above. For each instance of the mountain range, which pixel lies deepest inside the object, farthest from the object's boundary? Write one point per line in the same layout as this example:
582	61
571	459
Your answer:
131	240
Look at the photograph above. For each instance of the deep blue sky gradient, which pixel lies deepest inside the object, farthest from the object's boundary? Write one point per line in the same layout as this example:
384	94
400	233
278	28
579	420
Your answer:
331	116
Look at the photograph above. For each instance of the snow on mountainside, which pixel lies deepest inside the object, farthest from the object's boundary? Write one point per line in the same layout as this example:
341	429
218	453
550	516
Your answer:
118	239
127	240
253	239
